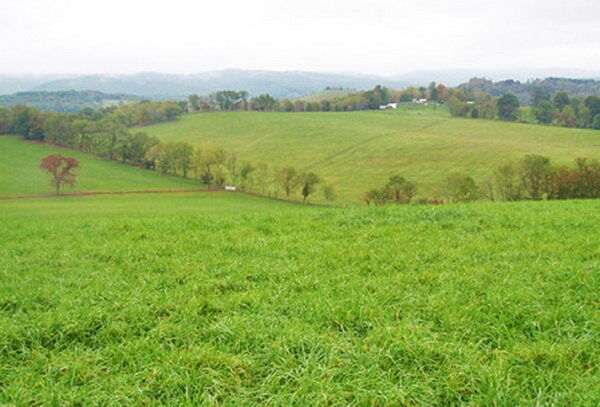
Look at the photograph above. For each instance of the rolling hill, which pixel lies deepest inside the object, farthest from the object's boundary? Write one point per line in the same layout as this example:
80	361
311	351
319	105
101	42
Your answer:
289	84
359	150
20	173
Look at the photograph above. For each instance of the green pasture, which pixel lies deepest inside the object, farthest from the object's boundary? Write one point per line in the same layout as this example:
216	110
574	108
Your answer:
200	299
356	151
20	173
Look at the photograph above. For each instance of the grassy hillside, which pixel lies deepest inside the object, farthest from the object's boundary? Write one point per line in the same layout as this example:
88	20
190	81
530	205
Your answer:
20	173
482	304
359	150
325	95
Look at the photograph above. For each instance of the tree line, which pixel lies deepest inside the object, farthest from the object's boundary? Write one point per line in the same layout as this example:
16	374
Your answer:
110	133
533	177
559	109
75	128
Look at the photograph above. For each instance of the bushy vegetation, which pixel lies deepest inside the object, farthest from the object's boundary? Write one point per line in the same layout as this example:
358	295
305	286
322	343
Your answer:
526	91
557	109
533	177
162	303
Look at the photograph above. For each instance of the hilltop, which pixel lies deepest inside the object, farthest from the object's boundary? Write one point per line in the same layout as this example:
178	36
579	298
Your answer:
357	151
20	173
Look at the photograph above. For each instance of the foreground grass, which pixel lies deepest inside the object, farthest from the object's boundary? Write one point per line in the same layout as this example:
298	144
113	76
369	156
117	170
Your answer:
358	150
20	173
142	205
483	304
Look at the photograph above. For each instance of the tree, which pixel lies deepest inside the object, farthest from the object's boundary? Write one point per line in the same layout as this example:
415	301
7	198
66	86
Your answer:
596	122
262	176
60	167
539	95
194	102
486	107
329	192
245	170
208	162
461	188
376	197
27	122
287	178
561	99
507	181
544	113
457	107
508	107
400	190
534	171
593	103
434	94
264	102
566	117
308	182
182	157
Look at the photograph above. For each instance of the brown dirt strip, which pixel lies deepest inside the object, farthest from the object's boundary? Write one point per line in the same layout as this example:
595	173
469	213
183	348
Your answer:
167	191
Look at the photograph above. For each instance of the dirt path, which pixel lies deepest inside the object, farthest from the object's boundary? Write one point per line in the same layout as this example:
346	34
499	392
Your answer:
167	191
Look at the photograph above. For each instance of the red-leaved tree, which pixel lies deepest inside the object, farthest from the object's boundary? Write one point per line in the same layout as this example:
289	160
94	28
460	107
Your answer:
60	168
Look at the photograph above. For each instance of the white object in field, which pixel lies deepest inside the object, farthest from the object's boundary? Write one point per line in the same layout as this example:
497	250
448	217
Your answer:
389	106
230	188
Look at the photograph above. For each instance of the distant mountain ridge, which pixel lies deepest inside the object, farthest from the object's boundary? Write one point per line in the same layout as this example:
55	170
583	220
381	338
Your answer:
281	84
289	84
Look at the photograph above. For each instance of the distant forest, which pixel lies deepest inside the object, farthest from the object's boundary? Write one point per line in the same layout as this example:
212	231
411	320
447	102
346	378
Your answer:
524	90
66	101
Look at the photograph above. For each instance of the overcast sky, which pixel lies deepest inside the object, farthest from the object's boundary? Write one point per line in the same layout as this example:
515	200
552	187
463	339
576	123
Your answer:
368	36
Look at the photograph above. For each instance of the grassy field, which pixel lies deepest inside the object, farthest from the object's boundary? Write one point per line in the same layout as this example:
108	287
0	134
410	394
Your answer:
143	205
325	95
229	300
20	173
359	150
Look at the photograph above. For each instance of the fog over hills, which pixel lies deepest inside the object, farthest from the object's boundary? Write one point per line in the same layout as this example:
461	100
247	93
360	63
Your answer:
291	84
281	84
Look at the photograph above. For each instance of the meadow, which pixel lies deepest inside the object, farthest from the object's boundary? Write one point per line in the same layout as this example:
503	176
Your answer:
20	173
224	299
356	151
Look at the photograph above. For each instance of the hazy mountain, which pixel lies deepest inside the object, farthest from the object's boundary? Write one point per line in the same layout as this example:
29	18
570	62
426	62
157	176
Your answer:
288	84
291	84
64	101
19	83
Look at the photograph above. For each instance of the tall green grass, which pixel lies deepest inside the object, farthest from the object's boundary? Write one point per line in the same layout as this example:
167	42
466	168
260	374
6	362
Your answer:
359	150
482	304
